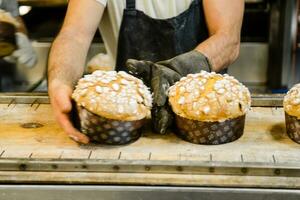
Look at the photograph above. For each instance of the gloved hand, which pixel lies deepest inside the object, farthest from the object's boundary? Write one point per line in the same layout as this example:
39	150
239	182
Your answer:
160	76
25	54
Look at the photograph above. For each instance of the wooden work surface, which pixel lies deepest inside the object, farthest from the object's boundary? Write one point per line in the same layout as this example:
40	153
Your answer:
264	143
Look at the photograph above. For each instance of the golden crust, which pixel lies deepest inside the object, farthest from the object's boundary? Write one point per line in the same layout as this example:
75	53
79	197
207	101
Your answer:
8	18
113	95
209	97
291	101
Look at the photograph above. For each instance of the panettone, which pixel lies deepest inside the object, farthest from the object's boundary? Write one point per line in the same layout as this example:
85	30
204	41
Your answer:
8	26
114	95
291	101
209	108
209	97
291	104
112	106
7	17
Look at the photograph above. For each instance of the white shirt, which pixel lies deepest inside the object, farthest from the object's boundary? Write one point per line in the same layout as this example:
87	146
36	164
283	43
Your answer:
113	14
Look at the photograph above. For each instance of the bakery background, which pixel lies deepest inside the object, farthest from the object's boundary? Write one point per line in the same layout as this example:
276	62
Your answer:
38	161
269	60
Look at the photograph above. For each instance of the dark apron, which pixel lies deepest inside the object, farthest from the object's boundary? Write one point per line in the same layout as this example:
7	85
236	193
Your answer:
144	38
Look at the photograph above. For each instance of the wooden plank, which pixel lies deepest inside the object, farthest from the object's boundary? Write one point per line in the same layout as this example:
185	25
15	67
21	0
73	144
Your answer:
263	132
105	154
264	141
16	153
75	154
14	135
46	153
134	155
165	156
258	157
278	112
281	157
196	157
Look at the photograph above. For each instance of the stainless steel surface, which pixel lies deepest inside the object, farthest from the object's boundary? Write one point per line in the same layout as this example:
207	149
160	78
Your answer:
289	77
282	41
250	73
94	192
251	66
32	76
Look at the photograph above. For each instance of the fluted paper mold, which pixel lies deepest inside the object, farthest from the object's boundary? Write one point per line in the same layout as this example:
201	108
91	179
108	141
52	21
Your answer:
292	127
108	131
210	133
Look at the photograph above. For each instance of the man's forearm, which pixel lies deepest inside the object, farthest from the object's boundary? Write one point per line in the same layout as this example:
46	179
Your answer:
69	50
66	59
221	49
224	21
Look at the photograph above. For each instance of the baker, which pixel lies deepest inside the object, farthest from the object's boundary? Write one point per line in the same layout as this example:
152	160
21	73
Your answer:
156	40
24	54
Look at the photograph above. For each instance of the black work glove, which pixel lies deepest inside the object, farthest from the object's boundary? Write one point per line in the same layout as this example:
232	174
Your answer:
160	76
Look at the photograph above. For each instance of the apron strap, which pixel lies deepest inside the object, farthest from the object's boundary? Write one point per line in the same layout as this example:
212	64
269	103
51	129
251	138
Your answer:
130	4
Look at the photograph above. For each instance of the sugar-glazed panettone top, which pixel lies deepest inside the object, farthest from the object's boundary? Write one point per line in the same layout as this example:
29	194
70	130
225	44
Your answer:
114	95
209	97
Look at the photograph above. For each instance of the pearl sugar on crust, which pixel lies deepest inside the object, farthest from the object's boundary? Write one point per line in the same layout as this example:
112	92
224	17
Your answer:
209	97
291	101
114	95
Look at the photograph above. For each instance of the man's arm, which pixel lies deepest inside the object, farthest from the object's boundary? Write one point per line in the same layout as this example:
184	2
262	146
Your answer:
67	58
224	21
69	49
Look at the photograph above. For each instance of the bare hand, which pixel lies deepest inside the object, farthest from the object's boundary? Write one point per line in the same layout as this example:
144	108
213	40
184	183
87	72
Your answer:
60	98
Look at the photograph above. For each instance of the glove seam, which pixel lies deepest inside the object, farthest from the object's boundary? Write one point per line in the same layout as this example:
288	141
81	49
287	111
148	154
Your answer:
208	63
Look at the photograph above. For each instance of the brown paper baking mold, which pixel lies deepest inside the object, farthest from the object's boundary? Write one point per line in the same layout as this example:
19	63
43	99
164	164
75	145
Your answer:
292	127
108	131
210	133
